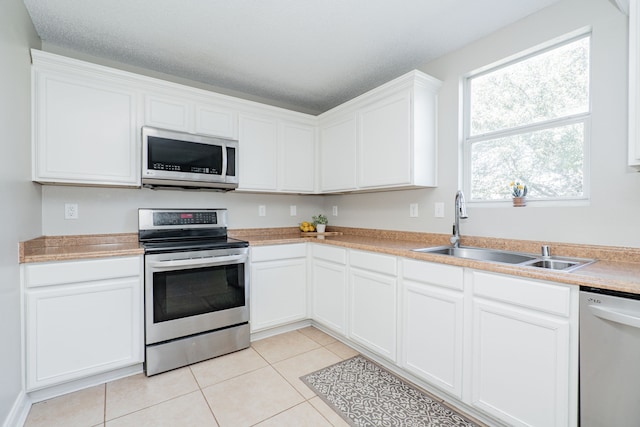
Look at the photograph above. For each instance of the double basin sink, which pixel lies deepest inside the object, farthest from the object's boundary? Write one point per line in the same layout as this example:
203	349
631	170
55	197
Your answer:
507	257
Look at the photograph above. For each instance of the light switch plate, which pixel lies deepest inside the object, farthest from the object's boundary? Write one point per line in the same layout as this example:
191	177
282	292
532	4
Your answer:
413	210
334	211
438	210
262	210
293	211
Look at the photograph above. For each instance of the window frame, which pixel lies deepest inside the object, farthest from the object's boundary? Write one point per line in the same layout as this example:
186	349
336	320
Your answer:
466	140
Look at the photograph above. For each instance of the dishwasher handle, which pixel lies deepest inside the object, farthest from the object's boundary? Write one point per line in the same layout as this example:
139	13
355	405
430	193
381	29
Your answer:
615	316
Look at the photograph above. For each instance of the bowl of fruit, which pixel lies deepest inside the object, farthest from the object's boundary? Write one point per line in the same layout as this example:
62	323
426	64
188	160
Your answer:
307	227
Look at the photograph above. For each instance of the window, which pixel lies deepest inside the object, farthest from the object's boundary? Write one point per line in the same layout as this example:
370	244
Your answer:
528	121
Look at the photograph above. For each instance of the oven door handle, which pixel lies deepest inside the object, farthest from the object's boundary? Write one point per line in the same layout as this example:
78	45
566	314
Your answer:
197	262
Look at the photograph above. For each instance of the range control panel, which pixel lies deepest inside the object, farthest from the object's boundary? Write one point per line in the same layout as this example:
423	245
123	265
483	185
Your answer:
165	219
184	218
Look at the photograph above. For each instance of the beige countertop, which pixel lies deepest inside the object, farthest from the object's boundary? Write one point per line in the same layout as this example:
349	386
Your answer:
617	268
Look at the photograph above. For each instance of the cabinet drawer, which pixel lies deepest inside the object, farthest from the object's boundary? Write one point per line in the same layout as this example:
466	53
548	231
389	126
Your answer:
373	262
546	297
447	276
330	253
278	252
65	272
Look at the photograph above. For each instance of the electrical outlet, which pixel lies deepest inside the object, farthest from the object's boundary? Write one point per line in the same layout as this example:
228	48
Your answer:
413	210
293	210
262	210
334	212
438	210
70	211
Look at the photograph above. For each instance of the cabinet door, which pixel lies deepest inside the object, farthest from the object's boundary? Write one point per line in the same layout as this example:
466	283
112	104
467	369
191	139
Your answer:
634	84
372	318
258	141
520	370
278	293
216	121
384	151
329	295
338	155
74	331
167	113
84	131
297	157
432	336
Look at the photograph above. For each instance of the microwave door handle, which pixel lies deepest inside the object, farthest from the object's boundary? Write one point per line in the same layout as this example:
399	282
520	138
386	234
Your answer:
224	162
197	262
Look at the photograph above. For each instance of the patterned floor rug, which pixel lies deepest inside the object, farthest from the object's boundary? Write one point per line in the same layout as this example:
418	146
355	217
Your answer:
365	394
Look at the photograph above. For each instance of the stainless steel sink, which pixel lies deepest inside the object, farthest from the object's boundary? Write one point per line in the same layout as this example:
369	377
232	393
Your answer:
508	257
479	254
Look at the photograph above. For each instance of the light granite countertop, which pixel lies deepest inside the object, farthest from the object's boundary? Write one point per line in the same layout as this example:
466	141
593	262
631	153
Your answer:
617	268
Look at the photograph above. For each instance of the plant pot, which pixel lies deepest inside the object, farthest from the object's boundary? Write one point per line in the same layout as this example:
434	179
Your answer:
321	228
519	202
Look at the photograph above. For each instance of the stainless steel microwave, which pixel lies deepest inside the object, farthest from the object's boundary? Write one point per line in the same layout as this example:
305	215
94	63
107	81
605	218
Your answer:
177	159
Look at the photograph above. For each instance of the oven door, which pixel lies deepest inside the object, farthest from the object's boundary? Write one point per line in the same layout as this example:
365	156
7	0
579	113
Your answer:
188	293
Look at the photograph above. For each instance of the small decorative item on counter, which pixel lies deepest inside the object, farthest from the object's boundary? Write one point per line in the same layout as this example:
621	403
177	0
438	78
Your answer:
307	227
320	222
519	193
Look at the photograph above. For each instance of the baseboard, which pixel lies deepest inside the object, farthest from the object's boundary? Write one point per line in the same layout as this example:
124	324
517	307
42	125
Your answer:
70	387
266	333
19	411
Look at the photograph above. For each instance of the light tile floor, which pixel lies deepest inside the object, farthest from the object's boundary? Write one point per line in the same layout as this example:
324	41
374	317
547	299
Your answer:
258	386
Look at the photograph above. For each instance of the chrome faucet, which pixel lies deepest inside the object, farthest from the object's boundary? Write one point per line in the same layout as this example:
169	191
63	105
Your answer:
460	212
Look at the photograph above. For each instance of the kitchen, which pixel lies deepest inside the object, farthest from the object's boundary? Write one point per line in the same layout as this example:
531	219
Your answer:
38	210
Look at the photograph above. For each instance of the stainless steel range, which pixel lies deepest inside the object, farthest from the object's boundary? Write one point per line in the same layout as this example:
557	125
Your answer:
196	287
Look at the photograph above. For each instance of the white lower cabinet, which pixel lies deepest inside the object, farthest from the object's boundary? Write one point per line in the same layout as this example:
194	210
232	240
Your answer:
524	351
503	345
82	318
373	302
433	324
329	287
278	285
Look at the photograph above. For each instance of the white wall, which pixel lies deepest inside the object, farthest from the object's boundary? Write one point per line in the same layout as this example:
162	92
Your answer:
115	210
609	219
20	213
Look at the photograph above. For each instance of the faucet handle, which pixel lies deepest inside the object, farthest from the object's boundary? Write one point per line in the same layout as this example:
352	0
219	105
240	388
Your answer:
546	251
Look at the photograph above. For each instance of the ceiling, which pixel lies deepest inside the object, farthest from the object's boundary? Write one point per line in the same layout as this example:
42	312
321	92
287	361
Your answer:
309	55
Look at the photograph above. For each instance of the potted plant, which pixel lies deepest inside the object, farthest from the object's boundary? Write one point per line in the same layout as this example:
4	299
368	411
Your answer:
320	222
519	193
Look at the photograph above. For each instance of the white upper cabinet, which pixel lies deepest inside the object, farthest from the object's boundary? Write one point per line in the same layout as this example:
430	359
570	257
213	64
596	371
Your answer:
216	121
297	153
384	151
338	155
187	115
276	155
85	128
87	123
258	153
634	84
384	139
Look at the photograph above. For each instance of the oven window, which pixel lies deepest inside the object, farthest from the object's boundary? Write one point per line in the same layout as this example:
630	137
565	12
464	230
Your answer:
185	293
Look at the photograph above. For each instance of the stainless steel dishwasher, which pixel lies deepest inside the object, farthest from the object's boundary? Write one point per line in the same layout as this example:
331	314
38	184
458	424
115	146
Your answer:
609	358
